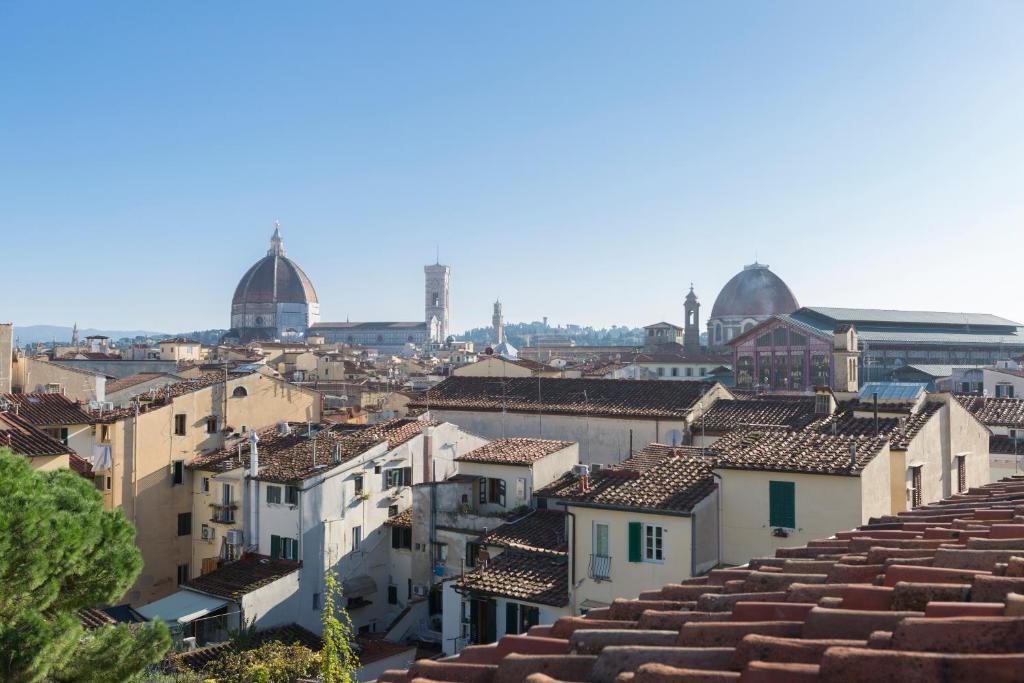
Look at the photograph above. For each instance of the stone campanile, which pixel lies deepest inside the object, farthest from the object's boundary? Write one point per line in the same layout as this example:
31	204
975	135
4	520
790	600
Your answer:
438	305
691	328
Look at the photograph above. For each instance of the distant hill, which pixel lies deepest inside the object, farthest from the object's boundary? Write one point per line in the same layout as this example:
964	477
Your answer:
30	334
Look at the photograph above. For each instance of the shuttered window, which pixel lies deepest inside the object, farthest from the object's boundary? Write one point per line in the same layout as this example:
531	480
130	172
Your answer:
636	540
782	504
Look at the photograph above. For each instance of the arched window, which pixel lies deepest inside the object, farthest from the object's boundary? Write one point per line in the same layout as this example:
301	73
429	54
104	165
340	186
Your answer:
748	326
380	338
718	332
240	392
259	321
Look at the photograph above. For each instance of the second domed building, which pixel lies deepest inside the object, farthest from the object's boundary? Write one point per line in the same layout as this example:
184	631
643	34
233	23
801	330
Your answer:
752	295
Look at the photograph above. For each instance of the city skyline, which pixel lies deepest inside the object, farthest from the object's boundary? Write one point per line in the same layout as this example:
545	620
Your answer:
854	150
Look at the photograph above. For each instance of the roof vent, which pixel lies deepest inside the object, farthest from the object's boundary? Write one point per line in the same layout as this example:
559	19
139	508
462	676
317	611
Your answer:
283	428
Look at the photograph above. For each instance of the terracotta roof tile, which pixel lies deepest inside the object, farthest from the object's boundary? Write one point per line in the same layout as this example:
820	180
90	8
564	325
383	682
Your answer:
236	579
659	478
42	409
540	530
585	396
995	412
514	451
23	438
522	575
402	520
133	380
792	413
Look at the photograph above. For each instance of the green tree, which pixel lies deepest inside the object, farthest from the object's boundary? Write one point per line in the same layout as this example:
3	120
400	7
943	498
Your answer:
60	551
272	662
338	663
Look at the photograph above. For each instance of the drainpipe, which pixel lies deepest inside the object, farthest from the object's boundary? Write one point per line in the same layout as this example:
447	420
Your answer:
721	488
254	490
572	558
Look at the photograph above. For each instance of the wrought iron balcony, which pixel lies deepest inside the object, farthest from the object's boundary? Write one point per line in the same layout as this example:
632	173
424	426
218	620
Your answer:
600	568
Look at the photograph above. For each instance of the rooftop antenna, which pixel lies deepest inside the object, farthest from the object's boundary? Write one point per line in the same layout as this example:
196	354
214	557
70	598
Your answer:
437	255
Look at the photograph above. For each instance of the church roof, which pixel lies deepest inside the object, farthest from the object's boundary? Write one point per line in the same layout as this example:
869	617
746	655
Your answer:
275	278
754	291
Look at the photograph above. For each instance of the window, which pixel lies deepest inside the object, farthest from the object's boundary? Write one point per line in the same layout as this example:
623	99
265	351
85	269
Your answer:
764	370
661	372
782	504
177	472
780	336
105	433
600	559
291	495
675	372
184	523
316	601
273	494
205	486
211	424
376	469
492	491
179	424
182	573
653	543
915	487
819	370
961	473
397	476
520	488
392	510
401	538
240	392
357	537
358	481
744	371
781	374
472	552
392	595
519	618
689	372
102	482
764	339
441	553
1004	391
283	548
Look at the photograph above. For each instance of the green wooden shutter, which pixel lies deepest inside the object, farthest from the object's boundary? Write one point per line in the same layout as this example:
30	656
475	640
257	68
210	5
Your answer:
491	618
782	504
275	547
511	617
636	542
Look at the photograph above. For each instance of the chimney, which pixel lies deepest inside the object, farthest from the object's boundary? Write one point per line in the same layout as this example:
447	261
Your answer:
853	455
254	454
428	454
583	482
253	532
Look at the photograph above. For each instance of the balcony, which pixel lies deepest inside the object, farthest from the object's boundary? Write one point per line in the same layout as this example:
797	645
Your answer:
600	568
223	514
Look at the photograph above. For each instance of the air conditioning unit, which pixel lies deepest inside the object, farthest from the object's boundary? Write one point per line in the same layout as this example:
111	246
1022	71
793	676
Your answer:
208	532
420	590
580	470
596	467
234	537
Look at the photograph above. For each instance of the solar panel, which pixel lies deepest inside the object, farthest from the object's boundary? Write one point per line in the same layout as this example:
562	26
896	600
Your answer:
892	391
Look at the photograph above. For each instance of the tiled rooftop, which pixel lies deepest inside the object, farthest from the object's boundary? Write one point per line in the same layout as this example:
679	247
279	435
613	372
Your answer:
586	396
161	396
995	412
23	438
514	451
932	594
402	520
46	409
196	659
724	416
290	457
236	579
806	451
539	531
133	380
522	575
658	478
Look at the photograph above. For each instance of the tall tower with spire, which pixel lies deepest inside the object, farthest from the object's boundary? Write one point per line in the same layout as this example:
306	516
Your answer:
691	328
498	321
437	308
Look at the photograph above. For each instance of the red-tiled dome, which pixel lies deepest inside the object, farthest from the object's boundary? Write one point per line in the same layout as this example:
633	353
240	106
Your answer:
275	279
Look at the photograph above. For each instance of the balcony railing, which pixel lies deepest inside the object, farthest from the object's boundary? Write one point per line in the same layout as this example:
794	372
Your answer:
600	568
223	514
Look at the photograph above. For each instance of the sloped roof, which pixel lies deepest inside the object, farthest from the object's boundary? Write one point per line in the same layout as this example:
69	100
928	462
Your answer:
520	575
538	531
659	479
995	412
584	396
23	438
235	579
47	409
769	413
514	451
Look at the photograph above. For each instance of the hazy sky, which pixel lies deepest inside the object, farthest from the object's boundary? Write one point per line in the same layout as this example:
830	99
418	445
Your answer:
581	160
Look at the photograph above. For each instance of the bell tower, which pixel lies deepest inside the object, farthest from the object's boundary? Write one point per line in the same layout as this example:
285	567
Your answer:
438	282
691	329
498	322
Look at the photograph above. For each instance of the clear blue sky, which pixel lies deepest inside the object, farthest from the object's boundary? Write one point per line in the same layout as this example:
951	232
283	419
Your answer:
581	160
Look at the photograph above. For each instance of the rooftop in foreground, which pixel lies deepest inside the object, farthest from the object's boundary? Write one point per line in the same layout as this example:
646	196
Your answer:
935	593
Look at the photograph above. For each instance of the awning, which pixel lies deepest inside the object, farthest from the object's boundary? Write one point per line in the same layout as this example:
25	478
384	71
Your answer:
358	587
182	607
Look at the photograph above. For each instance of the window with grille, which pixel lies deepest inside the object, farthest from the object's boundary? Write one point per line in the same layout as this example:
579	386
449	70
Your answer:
915	487
961	473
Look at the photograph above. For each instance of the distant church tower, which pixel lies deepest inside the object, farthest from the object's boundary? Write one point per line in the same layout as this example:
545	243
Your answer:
498	321
691	329
437	302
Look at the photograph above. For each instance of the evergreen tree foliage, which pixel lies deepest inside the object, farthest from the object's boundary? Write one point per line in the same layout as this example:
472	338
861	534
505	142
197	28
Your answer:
338	663
60	551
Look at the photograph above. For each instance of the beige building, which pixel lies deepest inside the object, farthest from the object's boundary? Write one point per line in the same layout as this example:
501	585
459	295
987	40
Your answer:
179	349
144	454
499	366
781	488
508	471
33	375
650	521
6	357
